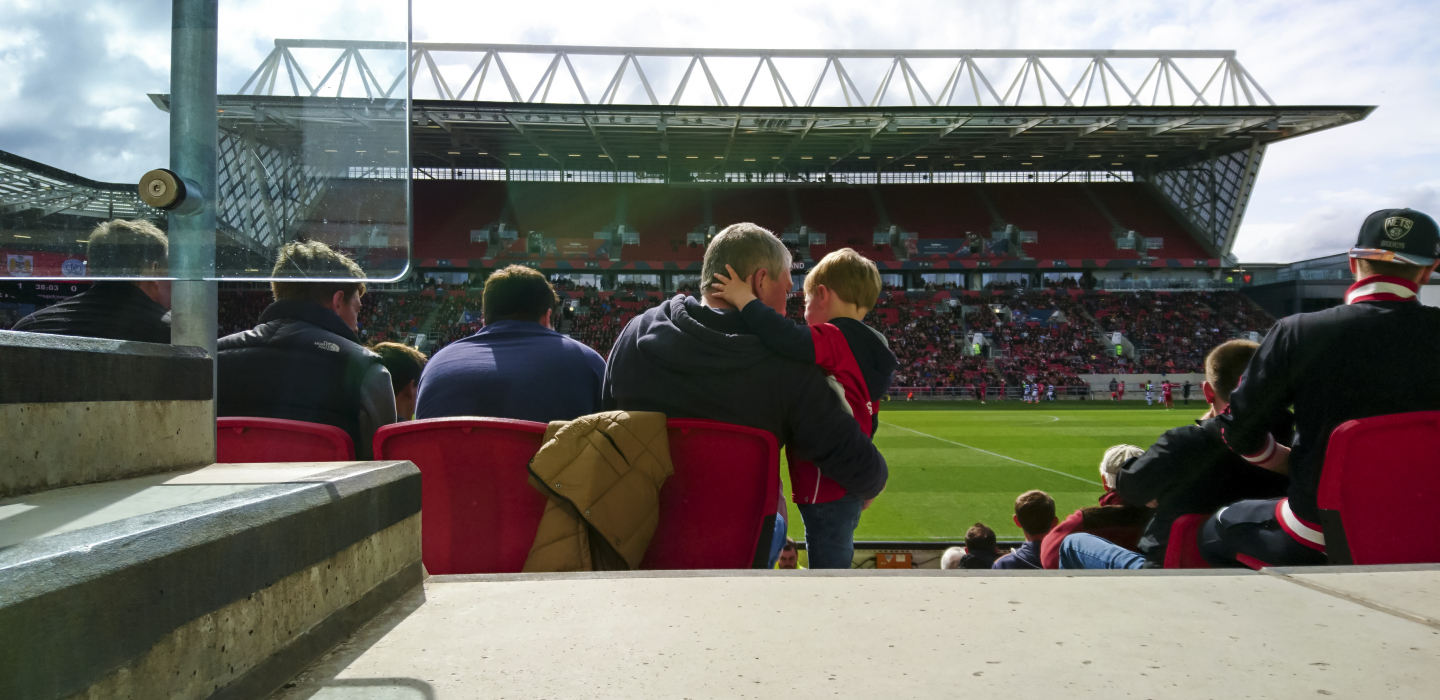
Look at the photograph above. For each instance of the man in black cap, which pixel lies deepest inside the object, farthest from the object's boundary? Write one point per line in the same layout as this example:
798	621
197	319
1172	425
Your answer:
1373	356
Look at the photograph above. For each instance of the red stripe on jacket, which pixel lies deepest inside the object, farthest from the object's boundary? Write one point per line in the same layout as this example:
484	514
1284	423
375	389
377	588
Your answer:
834	356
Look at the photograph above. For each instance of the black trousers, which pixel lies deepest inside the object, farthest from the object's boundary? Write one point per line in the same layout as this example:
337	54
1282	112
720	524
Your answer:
1251	528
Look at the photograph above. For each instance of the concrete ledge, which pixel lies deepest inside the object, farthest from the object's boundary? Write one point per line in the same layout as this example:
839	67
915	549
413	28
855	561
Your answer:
838	573
44	368
1411	591
54	445
879	634
183	602
85	410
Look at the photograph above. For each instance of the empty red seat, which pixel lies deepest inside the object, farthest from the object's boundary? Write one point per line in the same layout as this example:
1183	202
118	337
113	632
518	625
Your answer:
245	439
1382	478
715	508
479	511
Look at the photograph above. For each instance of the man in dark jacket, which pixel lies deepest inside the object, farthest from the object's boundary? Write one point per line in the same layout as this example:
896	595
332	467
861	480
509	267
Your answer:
1035	514
1373	356
689	359
117	310
1189	470
304	361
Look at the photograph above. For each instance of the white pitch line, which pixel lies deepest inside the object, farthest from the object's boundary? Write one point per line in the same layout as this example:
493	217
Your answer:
1052	418
994	454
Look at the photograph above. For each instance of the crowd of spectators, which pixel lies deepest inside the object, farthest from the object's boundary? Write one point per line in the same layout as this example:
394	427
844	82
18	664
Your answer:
315	345
1171	332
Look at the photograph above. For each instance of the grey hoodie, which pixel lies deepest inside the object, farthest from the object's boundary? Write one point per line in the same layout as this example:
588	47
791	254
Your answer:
690	361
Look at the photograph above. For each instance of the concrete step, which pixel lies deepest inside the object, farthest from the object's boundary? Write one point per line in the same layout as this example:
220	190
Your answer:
1354	632
218	582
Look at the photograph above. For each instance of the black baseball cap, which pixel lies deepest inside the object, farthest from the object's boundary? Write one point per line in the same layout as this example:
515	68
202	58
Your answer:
1402	235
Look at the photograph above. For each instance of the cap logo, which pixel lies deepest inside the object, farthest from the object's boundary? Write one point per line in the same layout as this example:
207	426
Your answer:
1397	226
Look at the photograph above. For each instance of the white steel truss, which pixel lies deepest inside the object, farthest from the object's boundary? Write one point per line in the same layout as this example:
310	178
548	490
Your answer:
598	76
26	186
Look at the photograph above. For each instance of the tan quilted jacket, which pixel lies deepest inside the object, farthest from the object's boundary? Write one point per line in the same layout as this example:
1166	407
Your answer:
602	475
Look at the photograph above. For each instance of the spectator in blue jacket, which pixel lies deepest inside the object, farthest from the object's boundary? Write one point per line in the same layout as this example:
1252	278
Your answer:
1035	514
516	366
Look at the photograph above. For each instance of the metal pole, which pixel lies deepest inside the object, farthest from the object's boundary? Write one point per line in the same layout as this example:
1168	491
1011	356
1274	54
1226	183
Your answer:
193	134
193	131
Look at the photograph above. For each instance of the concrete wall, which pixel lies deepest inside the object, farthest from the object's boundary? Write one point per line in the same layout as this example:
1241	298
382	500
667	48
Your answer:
222	598
81	410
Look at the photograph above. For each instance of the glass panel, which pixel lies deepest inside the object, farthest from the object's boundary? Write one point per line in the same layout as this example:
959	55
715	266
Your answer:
77	128
313	133
312	142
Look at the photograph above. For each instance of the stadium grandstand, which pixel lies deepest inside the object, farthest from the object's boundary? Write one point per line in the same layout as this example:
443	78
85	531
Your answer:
1040	220
1043	222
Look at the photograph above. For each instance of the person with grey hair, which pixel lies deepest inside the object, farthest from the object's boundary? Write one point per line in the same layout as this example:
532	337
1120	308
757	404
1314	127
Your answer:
696	358
135	309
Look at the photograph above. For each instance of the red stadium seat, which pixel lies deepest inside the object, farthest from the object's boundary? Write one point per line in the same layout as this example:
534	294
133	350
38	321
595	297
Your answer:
247	440
479	510
1183	549
1382	477
714	508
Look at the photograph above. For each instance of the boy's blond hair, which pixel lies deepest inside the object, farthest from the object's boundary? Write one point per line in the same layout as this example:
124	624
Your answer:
848	274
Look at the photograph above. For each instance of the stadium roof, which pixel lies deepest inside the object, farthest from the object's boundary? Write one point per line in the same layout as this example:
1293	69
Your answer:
1096	122
40	190
838	139
602	114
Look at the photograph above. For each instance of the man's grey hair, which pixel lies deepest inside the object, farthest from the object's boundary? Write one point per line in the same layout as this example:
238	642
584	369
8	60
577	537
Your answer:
747	248
951	558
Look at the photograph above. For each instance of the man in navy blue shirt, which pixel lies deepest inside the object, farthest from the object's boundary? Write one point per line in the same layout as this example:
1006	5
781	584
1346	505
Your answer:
517	366
1035	514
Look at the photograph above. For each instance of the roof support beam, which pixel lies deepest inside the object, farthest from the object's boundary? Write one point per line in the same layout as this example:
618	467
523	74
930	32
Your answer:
1172	124
1028	125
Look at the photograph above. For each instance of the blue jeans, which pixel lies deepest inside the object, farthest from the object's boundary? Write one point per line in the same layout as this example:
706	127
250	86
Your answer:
777	539
830	531
1083	550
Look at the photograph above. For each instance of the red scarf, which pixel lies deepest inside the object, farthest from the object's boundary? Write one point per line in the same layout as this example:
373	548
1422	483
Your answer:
1381	288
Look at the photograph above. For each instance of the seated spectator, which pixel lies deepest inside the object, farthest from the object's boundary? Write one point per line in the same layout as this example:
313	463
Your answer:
690	358
1035	514
789	556
405	365
980	549
1114	519
304	361
116	310
1188	470
516	366
1316	364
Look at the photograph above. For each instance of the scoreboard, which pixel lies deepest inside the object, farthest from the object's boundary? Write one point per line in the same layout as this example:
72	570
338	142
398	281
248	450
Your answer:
20	299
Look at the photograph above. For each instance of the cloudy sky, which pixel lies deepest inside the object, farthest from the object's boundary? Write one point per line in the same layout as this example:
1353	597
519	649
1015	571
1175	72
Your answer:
74	76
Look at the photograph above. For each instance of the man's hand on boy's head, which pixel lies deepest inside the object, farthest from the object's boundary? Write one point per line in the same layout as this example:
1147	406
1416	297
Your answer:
735	291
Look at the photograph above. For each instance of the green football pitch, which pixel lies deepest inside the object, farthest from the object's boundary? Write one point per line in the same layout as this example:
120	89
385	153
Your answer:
953	464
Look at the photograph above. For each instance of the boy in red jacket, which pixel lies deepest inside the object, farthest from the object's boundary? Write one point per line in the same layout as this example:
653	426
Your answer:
839	291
